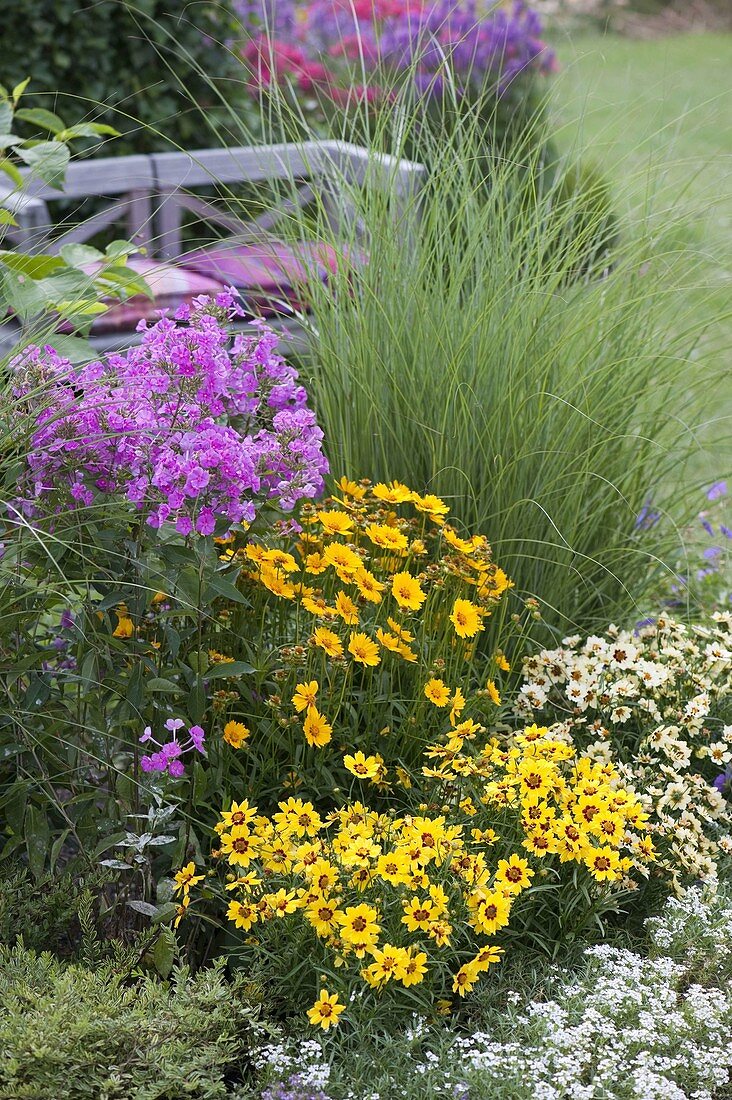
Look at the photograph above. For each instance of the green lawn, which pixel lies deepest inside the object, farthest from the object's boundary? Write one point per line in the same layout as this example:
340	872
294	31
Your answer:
666	105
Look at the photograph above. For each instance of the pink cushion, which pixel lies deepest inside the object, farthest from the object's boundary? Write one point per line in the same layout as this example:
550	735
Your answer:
271	275
170	285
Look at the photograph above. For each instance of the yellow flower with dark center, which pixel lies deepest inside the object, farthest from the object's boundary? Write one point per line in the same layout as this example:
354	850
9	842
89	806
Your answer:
359	925
413	969
280	560
603	864
326	1011
437	692
305	695
467	619
317	728
387	964
241	813
407	591
317	606
336	523
513	874
486	957
235	734
365	767
186	878
297	818
364	650
322	915
240	846
243	914
276	583
389	538
393	867
282	902
465	978
407	654
418	914
501	661
346	608
328	641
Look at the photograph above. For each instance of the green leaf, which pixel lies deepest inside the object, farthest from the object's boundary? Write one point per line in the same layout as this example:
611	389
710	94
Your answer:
49	160
86	129
229	668
6	116
76	255
7	141
144	907
47	120
108	842
56	848
115	864
219	585
158	683
9	169
36	839
163	953
35	267
6	218
20	88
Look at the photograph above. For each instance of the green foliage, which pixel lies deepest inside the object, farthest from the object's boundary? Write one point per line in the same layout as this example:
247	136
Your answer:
72	1033
140	65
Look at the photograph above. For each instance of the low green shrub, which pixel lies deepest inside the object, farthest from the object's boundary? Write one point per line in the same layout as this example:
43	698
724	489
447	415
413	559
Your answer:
75	1034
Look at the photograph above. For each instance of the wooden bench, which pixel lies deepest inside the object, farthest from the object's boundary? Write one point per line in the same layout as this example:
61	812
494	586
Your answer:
152	195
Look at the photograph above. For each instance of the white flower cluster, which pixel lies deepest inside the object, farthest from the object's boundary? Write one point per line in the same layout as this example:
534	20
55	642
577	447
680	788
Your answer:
654	699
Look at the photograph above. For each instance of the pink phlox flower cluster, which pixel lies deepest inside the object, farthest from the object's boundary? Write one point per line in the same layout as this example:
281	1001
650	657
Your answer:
191	427
168	757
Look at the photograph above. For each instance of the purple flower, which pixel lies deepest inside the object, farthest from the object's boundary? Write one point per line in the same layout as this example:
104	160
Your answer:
706	525
190	428
646	518
719	489
67	620
725	531
197	737
712	553
174	724
176	769
146	735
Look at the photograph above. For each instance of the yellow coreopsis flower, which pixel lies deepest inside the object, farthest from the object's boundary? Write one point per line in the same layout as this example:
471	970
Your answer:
432	505
394	493
467	618
235	734
465	978
364	650
346	608
187	877
437	692
414	969
326	1011
389	538
513	874
317	728
305	695
336	523
365	767
328	641
493	693
407	591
